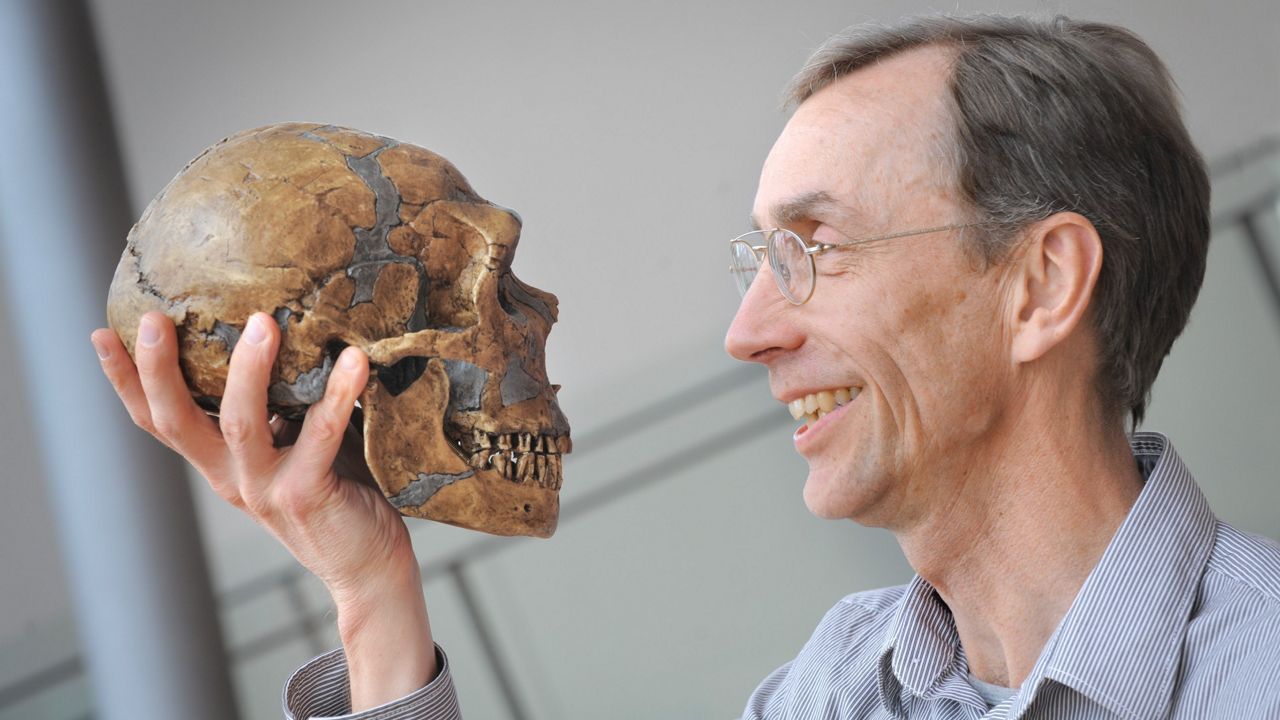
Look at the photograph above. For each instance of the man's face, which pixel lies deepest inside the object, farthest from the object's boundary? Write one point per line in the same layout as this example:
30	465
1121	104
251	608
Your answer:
912	326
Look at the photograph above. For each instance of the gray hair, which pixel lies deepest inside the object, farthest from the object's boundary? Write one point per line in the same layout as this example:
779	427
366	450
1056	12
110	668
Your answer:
1063	115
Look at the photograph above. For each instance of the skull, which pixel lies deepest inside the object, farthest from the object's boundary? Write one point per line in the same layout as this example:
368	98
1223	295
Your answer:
349	238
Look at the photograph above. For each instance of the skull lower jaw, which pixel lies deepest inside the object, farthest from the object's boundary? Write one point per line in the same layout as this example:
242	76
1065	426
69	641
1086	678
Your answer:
431	467
487	501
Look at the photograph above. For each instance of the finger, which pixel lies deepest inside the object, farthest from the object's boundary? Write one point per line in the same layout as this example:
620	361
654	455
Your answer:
123	375
243	414
175	417
326	421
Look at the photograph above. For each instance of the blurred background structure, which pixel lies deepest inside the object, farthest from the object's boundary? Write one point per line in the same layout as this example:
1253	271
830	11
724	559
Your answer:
630	138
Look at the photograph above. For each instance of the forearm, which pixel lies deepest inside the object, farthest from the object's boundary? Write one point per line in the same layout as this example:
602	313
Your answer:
342	530
386	636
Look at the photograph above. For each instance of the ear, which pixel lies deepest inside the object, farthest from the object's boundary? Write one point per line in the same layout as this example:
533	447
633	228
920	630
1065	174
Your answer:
1053	278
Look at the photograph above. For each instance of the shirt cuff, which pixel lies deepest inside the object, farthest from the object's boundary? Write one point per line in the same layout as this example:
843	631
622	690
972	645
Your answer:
321	690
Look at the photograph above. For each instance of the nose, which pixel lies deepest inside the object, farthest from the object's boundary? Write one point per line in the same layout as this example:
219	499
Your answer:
764	324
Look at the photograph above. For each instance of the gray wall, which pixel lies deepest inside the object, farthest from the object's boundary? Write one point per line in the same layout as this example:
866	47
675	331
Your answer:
629	137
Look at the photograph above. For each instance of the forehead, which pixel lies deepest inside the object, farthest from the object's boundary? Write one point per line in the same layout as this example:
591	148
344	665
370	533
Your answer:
864	140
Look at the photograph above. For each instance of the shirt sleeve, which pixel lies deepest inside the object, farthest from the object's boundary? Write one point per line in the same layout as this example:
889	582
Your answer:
321	690
769	698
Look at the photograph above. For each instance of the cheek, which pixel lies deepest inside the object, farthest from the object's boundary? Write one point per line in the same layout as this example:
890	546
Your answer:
948	354
925	331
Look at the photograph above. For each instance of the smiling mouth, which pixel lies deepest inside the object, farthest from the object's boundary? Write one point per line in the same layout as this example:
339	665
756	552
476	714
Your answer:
812	407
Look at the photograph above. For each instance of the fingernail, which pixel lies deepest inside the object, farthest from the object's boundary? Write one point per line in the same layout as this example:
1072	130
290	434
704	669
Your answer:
103	352
255	332
149	333
350	360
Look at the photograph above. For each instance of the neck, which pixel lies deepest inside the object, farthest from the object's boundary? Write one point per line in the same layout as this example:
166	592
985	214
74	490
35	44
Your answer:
1028	520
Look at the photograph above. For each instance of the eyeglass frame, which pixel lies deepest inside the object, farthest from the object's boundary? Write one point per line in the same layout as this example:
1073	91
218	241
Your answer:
762	252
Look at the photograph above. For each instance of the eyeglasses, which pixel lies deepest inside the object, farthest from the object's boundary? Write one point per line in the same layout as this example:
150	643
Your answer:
791	258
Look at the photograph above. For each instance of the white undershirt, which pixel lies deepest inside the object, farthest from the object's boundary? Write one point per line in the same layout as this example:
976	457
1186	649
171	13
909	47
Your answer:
992	694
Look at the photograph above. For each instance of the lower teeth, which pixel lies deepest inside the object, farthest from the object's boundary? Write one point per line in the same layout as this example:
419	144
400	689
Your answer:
514	457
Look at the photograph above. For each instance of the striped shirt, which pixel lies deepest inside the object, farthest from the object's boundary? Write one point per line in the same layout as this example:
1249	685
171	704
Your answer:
1179	619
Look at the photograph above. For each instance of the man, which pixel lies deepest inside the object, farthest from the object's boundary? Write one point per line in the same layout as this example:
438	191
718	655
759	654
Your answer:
980	239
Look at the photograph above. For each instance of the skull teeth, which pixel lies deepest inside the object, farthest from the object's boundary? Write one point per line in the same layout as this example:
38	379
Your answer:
555	471
501	463
522	458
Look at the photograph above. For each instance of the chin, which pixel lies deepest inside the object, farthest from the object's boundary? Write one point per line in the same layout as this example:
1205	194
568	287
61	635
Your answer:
844	496
823	500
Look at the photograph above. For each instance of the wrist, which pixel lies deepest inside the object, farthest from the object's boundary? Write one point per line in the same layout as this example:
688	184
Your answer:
386	636
394	582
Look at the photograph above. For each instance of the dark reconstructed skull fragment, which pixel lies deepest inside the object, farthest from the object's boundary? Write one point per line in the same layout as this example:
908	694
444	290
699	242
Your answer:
349	238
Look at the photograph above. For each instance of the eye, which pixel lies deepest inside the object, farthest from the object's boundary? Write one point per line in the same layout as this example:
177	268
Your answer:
826	234
845	257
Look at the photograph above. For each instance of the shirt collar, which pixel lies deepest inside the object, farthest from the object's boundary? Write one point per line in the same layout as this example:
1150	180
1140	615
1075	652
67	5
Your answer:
921	656
1118	643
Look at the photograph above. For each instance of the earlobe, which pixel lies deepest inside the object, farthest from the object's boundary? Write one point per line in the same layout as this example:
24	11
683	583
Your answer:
1052	283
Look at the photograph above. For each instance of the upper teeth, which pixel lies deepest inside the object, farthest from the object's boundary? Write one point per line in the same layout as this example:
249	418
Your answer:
815	405
518	457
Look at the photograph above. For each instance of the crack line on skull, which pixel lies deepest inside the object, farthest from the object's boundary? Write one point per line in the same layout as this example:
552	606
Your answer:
373	250
143	282
424	487
311	135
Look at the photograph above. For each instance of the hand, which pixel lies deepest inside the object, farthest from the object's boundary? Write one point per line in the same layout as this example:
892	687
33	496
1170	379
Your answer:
342	530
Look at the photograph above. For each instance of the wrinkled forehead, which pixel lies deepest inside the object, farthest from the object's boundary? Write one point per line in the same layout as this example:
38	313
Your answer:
871	140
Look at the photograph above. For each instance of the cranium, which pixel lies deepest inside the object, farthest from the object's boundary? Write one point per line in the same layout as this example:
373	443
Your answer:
349	238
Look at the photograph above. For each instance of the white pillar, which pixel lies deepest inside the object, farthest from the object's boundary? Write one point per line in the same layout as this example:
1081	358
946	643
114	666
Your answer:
144	608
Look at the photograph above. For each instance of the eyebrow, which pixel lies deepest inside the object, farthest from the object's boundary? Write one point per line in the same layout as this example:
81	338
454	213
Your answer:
809	205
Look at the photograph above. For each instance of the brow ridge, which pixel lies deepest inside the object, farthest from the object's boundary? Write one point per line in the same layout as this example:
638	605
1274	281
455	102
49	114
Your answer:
806	205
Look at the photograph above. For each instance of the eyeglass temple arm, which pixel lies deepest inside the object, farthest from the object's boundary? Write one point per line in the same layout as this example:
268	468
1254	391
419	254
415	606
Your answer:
820	247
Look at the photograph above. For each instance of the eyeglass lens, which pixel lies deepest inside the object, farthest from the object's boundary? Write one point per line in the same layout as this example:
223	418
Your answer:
743	265
792	268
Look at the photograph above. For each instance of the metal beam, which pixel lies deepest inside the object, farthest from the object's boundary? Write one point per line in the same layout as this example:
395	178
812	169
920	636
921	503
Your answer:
493	655
126	523
1266	264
